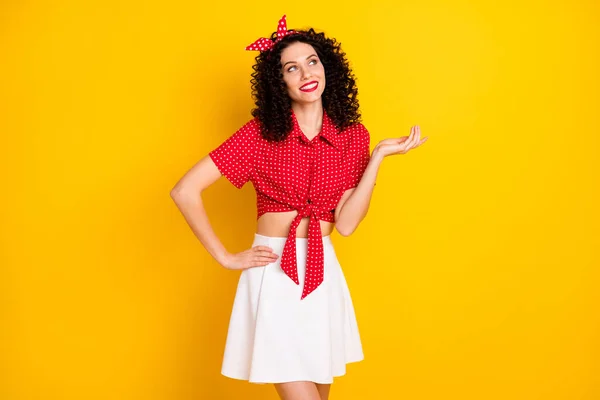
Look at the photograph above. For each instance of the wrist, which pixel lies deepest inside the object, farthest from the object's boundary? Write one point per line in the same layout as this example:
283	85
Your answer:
376	156
223	259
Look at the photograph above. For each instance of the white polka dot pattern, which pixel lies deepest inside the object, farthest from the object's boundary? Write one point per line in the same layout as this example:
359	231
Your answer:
263	44
234	157
309	176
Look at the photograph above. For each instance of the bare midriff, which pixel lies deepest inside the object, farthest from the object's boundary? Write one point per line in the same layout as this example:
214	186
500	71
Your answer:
277	224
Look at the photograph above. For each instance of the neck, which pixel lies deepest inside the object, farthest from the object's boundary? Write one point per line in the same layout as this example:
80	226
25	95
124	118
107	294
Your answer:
309	116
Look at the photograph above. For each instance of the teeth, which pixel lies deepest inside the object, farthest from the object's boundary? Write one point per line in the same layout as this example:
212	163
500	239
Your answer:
309	86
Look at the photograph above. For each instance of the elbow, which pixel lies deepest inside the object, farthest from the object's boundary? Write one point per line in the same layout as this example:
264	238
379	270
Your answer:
344	230
176	196
344	233
176	192
179	193
347	228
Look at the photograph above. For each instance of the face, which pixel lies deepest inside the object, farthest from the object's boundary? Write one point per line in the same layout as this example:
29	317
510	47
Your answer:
303	73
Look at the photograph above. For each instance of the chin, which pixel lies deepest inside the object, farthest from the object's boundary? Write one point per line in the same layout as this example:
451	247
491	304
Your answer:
308	101
312	97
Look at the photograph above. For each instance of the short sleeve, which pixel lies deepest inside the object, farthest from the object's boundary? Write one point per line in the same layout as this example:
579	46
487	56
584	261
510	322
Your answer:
235	156
358	156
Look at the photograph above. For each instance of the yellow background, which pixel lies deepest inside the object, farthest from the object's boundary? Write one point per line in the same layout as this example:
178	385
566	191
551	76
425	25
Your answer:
474	276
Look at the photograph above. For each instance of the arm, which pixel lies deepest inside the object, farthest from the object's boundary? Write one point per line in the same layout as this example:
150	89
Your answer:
232	159
187	195
354	204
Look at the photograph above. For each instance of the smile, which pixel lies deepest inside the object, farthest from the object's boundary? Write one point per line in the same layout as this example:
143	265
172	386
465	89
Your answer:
309	87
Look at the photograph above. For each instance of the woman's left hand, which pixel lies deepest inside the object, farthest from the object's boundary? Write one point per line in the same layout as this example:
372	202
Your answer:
400	145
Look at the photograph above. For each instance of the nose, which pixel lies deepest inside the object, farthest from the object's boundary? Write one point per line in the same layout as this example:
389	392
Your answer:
305	73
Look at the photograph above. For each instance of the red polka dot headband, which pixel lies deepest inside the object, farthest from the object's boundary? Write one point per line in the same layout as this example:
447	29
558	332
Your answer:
264	44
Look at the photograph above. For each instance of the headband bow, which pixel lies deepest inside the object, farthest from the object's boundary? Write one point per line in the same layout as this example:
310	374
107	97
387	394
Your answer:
264	44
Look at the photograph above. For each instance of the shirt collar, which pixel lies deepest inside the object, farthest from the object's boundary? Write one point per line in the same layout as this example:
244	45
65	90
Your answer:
328	130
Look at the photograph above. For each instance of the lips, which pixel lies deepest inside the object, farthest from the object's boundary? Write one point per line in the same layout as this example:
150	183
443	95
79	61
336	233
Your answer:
310	86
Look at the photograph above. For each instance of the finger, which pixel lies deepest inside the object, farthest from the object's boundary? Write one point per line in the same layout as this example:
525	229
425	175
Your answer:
399	140
422	141
263	248
415	138
268	254
411	139
254	264
265	252
407	138
264	260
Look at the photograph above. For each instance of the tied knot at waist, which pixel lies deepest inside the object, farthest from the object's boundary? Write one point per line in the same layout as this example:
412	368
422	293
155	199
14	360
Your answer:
309	209
315	257
306	210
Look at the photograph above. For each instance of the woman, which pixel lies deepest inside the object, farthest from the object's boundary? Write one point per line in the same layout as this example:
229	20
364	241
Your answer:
308	158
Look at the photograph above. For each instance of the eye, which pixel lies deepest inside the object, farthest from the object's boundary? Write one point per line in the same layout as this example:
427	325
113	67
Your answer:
314	59
290	68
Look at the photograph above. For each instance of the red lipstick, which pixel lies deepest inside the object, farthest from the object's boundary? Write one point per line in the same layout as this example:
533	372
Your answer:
313	85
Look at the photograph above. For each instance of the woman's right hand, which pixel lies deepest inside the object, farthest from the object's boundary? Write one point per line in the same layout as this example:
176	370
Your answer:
257	256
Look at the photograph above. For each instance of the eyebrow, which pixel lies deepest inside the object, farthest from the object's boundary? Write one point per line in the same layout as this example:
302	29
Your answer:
295	61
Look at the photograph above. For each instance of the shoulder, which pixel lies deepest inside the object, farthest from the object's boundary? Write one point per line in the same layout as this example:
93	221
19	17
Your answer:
243	140
246	134
357	134
356	130
250	128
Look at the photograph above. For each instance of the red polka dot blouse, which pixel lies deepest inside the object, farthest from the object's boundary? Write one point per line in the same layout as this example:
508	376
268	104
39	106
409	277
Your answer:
309	176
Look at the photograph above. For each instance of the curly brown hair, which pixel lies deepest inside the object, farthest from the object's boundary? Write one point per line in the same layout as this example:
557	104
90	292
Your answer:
273	104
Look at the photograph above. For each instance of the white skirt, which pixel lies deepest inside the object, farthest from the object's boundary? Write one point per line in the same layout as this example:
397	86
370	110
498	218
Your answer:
275	337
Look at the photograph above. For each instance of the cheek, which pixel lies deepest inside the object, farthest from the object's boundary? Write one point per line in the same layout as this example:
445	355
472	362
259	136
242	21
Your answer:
322	71
289	82
322	75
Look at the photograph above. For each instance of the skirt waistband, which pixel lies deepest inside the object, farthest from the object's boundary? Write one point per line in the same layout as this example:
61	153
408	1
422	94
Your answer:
279	240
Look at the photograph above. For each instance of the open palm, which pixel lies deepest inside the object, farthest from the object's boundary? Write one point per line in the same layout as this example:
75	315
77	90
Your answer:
402	144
